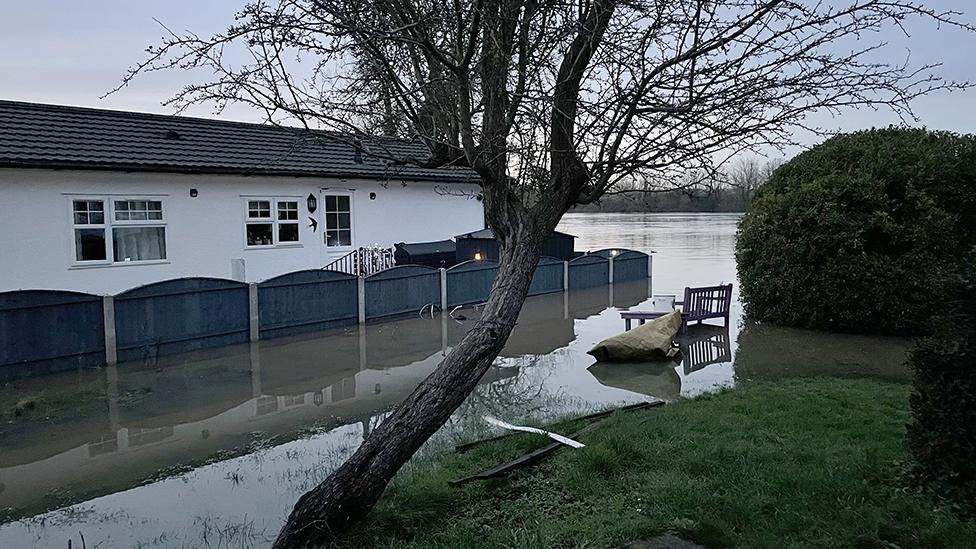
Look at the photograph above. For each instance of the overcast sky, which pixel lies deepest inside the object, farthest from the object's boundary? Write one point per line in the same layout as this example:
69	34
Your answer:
71	52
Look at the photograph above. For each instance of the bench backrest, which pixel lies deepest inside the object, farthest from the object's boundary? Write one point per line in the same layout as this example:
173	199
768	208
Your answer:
708	302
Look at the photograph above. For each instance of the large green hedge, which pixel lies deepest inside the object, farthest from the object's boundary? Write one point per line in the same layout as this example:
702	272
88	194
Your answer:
862	233
942	435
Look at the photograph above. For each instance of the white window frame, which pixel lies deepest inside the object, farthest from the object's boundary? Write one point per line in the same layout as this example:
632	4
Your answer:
109	223
325	219
272	220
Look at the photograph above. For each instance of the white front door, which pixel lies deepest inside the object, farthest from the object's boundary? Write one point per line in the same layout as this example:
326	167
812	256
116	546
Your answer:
338	238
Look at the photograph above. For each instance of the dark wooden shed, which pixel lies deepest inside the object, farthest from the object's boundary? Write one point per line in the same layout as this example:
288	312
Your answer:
558	245
432	254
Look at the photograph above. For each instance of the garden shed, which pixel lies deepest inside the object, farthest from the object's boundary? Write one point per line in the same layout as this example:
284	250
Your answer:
482	245
436	254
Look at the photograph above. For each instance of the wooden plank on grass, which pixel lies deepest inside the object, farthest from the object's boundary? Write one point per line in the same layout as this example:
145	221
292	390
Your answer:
539	454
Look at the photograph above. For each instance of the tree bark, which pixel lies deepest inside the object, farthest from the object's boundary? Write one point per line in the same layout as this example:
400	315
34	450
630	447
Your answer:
335	505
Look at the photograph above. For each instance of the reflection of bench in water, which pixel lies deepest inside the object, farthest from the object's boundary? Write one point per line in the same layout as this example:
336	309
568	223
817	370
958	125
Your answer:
703	345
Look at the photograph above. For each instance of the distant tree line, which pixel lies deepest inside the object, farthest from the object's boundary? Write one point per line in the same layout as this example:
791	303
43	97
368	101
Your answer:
729	190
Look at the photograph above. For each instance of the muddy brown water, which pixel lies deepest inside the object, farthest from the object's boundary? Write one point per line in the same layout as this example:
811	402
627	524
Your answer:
211	449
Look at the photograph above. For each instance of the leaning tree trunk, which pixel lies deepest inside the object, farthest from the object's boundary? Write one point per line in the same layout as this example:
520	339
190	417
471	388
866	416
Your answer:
339	502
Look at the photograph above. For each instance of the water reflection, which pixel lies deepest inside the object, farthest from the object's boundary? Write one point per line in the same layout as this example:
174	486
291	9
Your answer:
701	345
99	431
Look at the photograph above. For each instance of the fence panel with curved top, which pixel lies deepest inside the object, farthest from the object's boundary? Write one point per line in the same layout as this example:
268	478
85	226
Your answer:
548	277
180	315
401	290
629	265
589	271
470	282
306	301
48	330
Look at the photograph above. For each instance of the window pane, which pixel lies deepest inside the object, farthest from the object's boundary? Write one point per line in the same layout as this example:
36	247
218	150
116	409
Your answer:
90	244
344	221
287	211
330	203
345	238
288	232
138	210
139	243
87	212
259	234
331	221
343	203
259	209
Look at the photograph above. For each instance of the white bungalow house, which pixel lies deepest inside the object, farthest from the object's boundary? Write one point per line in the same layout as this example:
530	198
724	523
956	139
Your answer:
102	201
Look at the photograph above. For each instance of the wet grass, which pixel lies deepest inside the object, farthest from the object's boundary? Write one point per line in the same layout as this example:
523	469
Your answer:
799	463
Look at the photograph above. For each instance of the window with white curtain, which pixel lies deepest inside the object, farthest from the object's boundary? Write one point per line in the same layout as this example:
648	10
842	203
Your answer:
133	229
138	233
271	222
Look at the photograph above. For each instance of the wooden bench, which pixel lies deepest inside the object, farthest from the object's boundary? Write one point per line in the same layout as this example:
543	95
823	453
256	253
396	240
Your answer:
699	304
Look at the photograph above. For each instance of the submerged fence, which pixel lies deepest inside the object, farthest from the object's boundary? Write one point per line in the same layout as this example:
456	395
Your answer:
57	330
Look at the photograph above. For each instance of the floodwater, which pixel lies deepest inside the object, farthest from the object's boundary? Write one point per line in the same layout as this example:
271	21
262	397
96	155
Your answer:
211	449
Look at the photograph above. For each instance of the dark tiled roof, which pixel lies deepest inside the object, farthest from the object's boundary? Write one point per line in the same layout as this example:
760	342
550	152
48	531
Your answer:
54	136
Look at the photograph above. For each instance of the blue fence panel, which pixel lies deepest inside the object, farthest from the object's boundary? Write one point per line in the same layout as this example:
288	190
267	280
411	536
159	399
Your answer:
629	265
470	282
548	277
180	315
306	301
400	290
62	329
588	271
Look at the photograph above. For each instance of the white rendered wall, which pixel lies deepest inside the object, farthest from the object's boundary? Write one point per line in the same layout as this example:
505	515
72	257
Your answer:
205	235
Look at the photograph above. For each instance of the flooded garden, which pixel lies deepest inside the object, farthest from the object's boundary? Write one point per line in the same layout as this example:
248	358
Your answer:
212	448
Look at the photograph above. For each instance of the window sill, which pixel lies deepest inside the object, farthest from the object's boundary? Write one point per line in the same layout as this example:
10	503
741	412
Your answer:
117	264
274	246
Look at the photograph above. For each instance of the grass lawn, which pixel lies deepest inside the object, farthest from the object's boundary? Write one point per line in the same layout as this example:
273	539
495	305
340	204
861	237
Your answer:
799	463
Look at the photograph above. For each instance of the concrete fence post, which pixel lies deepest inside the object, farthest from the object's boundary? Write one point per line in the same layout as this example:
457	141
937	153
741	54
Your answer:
443	289
108	321
650	278
361	292
254	315
610	270
565	276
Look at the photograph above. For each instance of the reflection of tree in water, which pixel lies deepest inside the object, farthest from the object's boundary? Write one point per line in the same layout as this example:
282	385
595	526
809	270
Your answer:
518	393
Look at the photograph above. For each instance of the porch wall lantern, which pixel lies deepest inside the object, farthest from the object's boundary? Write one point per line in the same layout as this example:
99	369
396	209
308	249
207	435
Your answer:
312	203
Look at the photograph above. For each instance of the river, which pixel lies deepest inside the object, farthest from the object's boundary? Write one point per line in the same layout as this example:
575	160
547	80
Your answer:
211	449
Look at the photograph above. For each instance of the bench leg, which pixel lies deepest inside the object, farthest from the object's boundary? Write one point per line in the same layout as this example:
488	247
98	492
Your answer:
627	324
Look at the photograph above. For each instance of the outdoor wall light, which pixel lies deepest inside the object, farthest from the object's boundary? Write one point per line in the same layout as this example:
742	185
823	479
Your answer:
372	196
613	253
193	193
478	256
311	202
